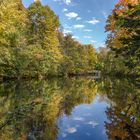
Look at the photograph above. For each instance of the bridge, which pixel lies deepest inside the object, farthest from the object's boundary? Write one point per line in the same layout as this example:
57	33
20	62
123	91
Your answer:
95	73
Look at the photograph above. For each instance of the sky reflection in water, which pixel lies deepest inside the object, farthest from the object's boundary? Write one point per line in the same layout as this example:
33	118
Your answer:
85	122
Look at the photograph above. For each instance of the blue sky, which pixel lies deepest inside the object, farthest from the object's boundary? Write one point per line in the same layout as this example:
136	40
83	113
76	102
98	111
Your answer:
85	19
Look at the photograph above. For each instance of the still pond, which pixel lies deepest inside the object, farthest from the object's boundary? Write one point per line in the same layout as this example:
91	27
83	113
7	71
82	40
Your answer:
70	109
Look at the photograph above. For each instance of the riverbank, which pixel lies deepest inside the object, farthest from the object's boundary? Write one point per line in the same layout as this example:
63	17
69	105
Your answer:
96	74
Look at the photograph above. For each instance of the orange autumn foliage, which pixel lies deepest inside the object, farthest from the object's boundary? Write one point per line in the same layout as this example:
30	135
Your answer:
127	2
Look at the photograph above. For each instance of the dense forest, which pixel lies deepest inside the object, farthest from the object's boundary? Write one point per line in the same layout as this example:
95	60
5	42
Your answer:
122	54
33	45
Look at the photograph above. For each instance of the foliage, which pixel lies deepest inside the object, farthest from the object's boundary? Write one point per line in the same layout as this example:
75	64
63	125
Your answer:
123	112
78	58
109	64
124	27
13	19
31	44
31	108
43	30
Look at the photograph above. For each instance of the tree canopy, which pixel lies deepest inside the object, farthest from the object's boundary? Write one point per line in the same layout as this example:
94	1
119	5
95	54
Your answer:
31	43
124	37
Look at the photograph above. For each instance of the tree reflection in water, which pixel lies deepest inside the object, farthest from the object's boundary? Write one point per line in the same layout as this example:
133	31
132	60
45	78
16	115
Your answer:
124	111
30	109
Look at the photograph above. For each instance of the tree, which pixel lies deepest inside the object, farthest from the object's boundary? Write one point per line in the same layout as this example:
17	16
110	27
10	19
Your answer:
91	57
13	19
78	58
43	30
125	33
123	117
13	23
31	44
109	64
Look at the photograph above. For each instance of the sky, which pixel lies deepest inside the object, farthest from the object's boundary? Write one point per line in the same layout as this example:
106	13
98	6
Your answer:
84	19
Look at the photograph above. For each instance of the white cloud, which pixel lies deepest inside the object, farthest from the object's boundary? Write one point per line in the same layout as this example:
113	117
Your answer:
57	0
65	10
102	45
78	18
88	134
88	107
89	11
78	119
72	15
77	126
66	31
78	26
87	37
75	37
88	30
87	114
104	14
93	123
67	26
71	130
93	41
93	21
64	135
67	2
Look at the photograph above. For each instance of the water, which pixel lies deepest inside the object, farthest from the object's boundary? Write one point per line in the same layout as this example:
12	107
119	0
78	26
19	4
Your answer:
70	109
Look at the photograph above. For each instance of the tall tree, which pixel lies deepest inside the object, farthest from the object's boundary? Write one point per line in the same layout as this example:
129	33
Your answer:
78	58
43	30
13	19
125	33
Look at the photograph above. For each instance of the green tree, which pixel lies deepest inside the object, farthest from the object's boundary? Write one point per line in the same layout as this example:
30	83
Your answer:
125	33
43	30
109	64
78	58
13	19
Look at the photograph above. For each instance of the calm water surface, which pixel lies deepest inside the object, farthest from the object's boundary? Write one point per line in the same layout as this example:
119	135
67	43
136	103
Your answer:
70	109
